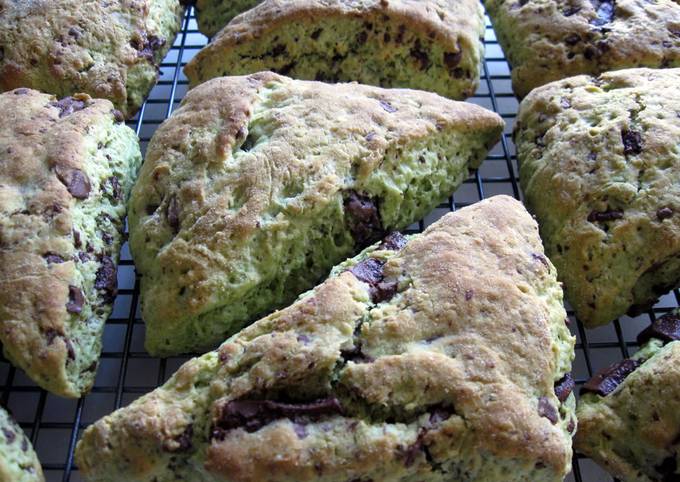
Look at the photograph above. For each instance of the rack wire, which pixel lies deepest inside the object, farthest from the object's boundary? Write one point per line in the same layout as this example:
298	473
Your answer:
126	371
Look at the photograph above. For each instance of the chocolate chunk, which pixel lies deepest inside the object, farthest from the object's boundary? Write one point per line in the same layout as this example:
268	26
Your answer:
420	55
181	443
664	213
666	328
602	216
388	107
10	436
76	300
68	105
564	387
572	39
107	279
172	214
632	142
393	241
316	34
383	291
117	115
147	46
363	218
369	271
452	59
606	380
668	469
116	190
251	415
76	239
53	258
605	11
547	410
75	180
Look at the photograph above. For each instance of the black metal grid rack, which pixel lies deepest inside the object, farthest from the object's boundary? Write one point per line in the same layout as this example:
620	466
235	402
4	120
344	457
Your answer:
126	371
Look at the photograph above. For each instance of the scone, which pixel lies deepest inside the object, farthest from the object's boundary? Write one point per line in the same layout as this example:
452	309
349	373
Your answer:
66	168
212	15
256	186
108	49
600	168
442	356
433	45
629	413
548	40
18	462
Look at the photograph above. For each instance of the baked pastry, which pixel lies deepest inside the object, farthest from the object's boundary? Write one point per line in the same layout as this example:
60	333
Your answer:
212	15
66	169
600	169
629	413
433	45
18	462
108	49
258	185
548	40
442	356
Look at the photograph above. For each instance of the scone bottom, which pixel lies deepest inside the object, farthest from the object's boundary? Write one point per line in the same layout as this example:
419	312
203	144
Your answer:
387	371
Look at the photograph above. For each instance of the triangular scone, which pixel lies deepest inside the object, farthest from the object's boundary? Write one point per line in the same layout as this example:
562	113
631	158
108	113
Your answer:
644	447
256	186
18	461
433	45
600	168
212	15
440	357
66	168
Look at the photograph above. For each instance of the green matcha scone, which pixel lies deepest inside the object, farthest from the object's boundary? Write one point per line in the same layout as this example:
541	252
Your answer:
442	356
433	45
600	168
18	461
108	49
212	15
256	186
629	413
548	40
66	169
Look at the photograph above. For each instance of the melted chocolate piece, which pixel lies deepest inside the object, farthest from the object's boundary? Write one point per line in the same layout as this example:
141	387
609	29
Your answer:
68	105
666	328
564	387
603	216
393	241
632	142
76	300
10	436
369	271
452	59
183	441
547	410
606	380
387	107
172	214
664	213
75	180
107	278
252	415
605	10
53	258
363	218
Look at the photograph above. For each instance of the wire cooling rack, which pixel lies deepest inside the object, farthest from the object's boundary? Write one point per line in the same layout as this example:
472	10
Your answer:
126	371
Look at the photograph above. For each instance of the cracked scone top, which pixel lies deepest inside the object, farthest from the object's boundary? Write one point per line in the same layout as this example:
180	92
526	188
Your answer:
600	168
66	168
212	15
444	356
108	49
548	40
256	186
644	447
433	45
18	461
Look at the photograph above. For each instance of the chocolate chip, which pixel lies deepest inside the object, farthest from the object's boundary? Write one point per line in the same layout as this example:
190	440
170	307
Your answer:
53	258
316	34
666	328
21	91
603	216
564	387
172	214
606	380
10	436
547	410
75	180
363	218
68	105
74	32
117	115
605	11
393	241
452	59
147	46
76	239
300	430
76	300
251	415
181	443
632	142
107	238
388	107
107	279
541	259
116	190
664	213
572	39
383	291
571	426
369	271
420	55
370	136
